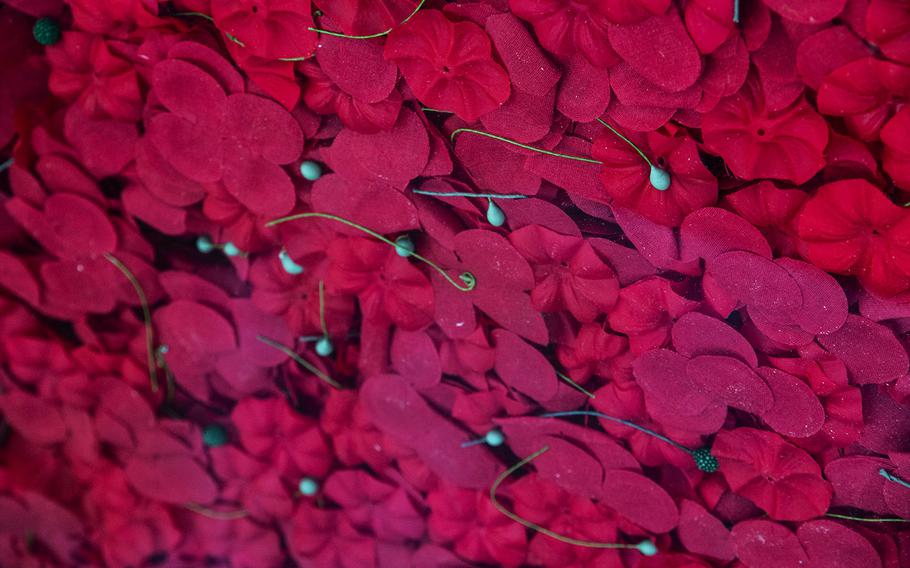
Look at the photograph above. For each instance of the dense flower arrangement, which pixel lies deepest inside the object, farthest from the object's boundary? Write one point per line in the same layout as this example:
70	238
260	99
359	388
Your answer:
497	283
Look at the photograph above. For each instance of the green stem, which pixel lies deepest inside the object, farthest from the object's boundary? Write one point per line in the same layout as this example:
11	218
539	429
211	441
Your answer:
866	519
325	328
577	386
893	478
627	141
217	515
469	194
465	277
146	316
371	36
533	526
525	146
300	361
620	421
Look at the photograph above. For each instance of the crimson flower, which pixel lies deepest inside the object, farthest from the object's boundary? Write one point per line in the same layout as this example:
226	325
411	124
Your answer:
625	175
325	97
565	28
569	273
449	65
480	533
850	227
896	156
268	28
775	475
388	287
756	142
87	68
364	17
645	311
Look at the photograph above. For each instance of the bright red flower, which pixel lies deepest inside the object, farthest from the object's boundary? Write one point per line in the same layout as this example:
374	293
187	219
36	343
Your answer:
646	310
626	175
888	27
569	274
850	227
565	28
896	156
866	92
787	144
324	97
89	69
772	209
478	531
592	351
365	17
709	22
775	475
388	287
268	28
449	65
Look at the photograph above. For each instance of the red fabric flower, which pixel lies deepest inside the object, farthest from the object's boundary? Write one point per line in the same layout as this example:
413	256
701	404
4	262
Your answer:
850	227
387	285
478	531
755	142
268	28
324	97
775	475
626	175
360	17
88	68
207	137
448	65
566	28
645	311
568	272
896	156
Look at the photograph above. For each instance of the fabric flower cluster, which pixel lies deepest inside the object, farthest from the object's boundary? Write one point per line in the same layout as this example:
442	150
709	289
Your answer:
385	284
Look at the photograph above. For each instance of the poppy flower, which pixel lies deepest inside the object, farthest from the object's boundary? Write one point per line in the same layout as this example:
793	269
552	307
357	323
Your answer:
449	65
272	29
850	227
756	142
775	475
569	273
626	176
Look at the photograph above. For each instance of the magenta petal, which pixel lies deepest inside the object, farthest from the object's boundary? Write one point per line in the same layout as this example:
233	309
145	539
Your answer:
732	381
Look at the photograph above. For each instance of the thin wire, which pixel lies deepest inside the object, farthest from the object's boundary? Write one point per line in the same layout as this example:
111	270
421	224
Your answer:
866	519
619	420
469	194
325	328
7	164
893	478
568	540
627	141
371	36
146	316
170	383
577	386
466	277
217	515
300	361
525	146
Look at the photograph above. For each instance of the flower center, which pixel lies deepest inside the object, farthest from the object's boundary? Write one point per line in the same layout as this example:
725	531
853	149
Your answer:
761	132
445	69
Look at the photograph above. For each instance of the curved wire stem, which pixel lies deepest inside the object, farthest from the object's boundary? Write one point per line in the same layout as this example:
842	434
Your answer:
525	146
533	526
371	36
146	316
466	277
620	421
893	478
325	328
575	385
469	194
7	164
866	519
627	141
214	514
300	361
